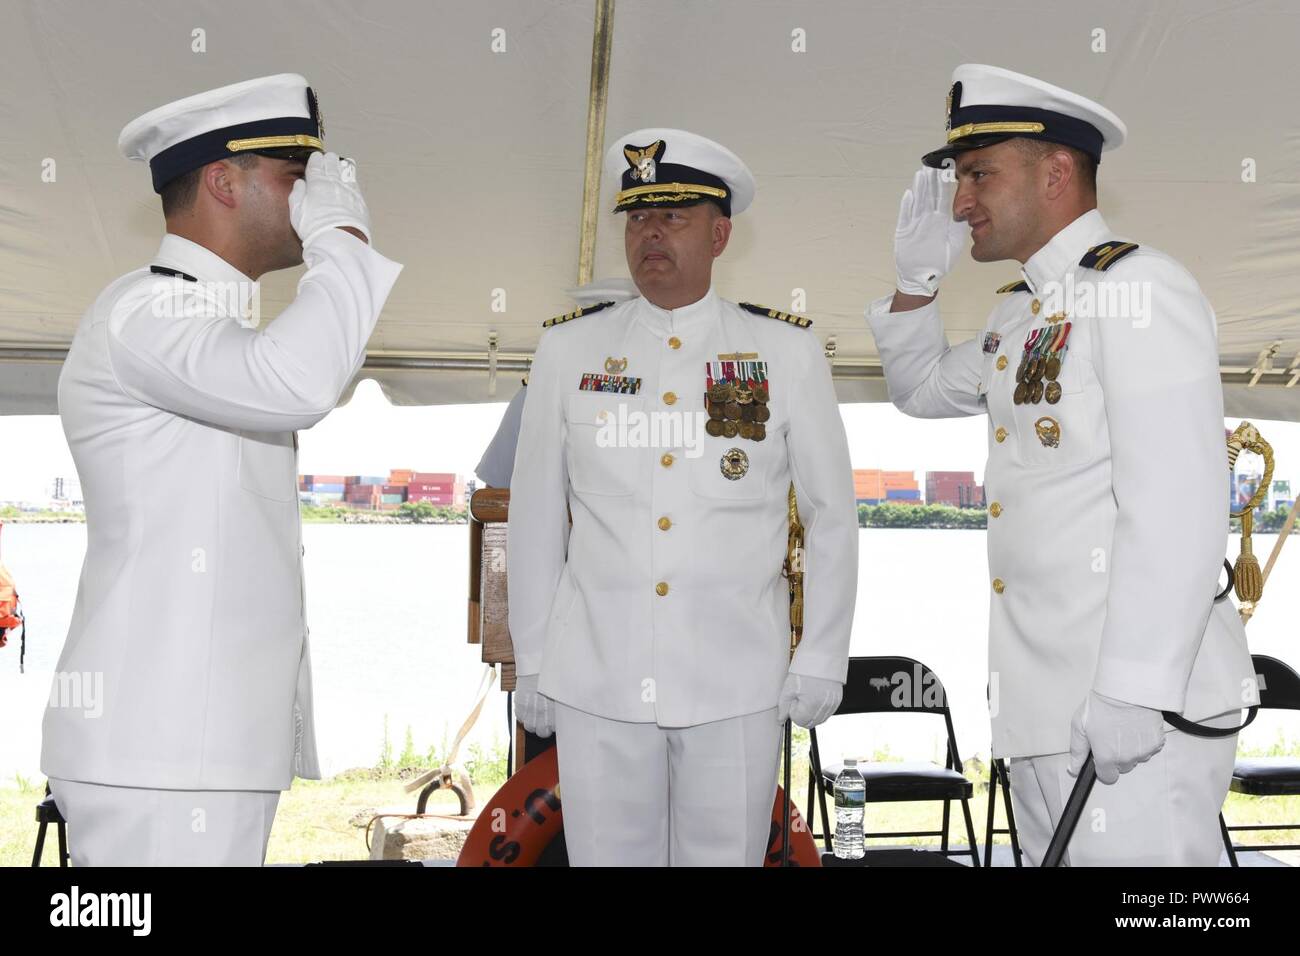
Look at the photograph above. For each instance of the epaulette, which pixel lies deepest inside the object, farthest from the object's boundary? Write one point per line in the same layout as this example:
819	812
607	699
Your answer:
763	310
1021	286
1104	256
576	314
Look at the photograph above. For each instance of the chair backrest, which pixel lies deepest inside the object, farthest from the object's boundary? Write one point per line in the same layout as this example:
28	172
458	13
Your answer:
891	685
1279	685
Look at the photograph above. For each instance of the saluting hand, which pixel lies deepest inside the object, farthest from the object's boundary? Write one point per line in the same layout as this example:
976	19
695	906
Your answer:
927	240
326	198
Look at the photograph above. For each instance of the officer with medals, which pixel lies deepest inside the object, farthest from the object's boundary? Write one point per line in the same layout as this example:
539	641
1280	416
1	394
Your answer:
653	632
182	699
1106	479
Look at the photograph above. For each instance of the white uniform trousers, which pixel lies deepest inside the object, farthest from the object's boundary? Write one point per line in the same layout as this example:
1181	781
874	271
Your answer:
131	826
637	794
1164	812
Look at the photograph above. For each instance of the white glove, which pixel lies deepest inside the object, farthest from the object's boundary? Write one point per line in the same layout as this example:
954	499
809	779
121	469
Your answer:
808	700
1120	735
534	710
927	240
327	197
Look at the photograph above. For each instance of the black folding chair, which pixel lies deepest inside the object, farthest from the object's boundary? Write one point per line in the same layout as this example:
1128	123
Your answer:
1000	779
896	685
47	812
1279	689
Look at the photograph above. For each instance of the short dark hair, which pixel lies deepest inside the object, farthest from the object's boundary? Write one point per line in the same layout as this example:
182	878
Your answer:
178	195
1085	165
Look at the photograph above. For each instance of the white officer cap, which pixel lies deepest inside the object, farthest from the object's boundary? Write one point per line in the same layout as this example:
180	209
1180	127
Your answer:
272	115
662	167
988	104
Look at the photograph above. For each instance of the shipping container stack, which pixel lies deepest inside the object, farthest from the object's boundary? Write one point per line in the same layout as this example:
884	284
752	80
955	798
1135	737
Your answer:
325	489
954	488
871	486
437	488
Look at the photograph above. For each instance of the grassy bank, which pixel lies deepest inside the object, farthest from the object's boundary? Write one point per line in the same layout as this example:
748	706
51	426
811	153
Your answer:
326	820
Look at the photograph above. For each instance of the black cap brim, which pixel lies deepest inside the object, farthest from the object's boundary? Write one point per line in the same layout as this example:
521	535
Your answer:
937	159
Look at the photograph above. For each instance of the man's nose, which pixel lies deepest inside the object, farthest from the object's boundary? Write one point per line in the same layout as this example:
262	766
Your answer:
962	203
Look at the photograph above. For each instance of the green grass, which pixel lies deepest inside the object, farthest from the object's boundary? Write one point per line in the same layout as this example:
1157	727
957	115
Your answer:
325	820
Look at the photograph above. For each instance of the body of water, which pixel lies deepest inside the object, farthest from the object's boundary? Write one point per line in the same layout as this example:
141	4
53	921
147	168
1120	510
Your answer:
387	610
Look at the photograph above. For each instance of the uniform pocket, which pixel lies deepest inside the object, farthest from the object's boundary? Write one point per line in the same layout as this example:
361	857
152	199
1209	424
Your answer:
603	444
266	465
1061	432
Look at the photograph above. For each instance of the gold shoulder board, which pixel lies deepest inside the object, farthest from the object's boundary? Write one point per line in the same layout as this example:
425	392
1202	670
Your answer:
576	314
763	310
1104	256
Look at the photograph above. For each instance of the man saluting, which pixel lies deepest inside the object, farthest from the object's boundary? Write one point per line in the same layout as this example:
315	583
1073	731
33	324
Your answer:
181	418
1102	613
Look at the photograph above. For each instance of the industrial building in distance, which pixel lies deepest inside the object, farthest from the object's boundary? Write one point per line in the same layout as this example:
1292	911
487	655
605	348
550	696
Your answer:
958	489
383	492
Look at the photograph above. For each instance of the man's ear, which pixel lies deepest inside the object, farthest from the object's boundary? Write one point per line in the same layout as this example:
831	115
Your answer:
721	234
1061	171
218	182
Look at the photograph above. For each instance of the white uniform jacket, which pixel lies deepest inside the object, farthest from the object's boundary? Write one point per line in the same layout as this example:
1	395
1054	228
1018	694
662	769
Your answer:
189	613
1108	509
665	601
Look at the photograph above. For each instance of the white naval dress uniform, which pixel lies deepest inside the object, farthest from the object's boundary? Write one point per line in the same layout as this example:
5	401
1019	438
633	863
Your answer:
1104	551
190	604
498	459
659	622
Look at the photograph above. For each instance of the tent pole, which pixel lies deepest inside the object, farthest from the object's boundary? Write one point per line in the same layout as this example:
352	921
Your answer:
601	42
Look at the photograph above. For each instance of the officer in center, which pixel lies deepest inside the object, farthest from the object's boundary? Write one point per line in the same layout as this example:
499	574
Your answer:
652	633
1106	480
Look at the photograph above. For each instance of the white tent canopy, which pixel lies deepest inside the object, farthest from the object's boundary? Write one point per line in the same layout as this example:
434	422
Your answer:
472	158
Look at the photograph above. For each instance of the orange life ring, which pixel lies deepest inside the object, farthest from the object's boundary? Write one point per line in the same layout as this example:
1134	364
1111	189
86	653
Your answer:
527	816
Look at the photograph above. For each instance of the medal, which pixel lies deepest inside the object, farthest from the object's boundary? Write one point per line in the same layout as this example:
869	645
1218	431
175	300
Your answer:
734	464
1036	395
1022	390
736	396
1048	430
1053	393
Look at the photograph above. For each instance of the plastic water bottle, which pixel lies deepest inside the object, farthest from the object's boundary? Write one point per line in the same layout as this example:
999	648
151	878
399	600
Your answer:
850	809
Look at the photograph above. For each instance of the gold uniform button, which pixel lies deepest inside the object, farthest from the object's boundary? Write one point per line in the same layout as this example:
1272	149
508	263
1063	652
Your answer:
1002	362
674	343
1001	434
998	586
995	509
670	398
665	523
661	588
1035	306
667	459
